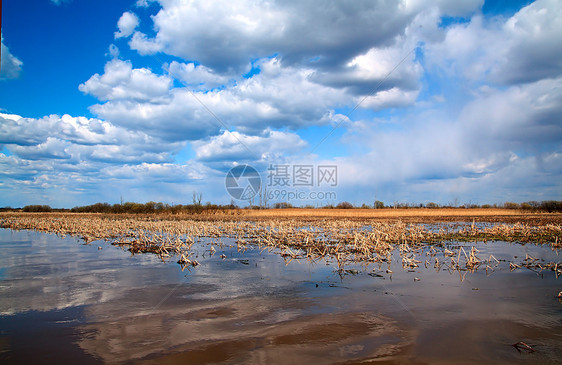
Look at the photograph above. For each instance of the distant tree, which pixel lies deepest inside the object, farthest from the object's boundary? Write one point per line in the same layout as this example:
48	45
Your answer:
264	199
511	205
197	198
344	205
378	204
282	205
251	202
37	208
526	206
551	206
532	204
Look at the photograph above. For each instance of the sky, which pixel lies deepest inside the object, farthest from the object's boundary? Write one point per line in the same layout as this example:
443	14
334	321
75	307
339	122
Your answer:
411	101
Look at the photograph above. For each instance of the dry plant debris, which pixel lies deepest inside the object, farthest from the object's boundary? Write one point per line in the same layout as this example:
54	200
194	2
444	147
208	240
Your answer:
344	240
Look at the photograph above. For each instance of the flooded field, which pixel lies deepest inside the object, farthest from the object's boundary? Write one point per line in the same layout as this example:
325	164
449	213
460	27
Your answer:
65	301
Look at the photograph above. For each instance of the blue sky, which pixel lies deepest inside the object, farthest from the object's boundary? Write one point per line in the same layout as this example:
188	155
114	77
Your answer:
414	101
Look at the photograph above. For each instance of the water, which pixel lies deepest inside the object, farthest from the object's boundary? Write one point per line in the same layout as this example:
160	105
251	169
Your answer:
63	301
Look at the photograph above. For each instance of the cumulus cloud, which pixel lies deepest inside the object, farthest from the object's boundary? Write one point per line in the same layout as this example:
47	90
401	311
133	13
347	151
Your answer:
76	155
52	148
144	3
276	97
523	48
121	82
143	45
350	47
298	31
196	76
10	66
393	98
376	67
79	139
168	172
523	117
59	182
502	134
235	146
178	118
126	25
533	50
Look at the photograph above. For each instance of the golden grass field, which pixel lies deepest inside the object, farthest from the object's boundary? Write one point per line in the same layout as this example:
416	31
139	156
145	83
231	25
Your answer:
412	215
381	213
419	215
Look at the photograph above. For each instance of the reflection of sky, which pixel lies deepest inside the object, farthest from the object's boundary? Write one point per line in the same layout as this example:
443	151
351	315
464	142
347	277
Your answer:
122	307
44	272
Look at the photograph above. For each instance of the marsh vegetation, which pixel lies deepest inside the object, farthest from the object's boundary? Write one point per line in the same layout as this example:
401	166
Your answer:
336	235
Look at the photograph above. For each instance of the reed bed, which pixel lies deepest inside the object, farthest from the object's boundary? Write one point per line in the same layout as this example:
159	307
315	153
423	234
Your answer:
346	241
383	213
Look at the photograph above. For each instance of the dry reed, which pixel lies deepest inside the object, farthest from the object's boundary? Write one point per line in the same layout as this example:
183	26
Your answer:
344	240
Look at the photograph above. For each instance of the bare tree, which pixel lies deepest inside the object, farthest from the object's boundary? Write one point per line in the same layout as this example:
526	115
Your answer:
197	197
264	199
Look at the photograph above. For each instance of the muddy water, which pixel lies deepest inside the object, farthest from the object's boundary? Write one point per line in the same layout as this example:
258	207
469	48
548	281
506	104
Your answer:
65	302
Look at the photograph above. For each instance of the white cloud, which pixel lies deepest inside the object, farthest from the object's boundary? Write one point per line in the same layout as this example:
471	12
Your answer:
533	48
297	31
113	51
505	141
456	8
196	76
523	48
180	118
126	25
277	97
465	52
169	172
143	45
68	158
121	82
524	117
144	3
61	183
80	140
235	146
381	78
52	148
350	47
393	98
376	64
10	66
453	8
